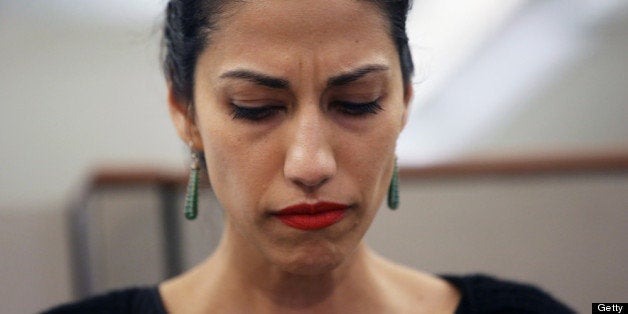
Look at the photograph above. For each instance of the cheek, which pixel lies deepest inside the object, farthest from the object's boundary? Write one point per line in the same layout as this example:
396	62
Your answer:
239	169
368	158
379	141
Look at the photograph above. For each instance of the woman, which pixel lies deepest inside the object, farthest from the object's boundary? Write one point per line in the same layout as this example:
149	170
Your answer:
294	108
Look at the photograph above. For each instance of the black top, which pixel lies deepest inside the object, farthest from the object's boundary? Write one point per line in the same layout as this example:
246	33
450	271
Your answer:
480	294
132	300
483	294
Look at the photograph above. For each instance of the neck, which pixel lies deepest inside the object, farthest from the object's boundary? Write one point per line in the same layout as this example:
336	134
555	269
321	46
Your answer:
249	276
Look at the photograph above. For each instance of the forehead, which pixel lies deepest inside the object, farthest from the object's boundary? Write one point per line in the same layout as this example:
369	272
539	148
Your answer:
288	36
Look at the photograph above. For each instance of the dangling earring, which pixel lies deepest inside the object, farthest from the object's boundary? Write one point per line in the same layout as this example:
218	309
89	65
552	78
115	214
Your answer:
191	196
393	189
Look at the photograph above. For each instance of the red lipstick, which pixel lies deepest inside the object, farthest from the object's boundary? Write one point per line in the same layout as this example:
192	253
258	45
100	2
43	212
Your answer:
312	216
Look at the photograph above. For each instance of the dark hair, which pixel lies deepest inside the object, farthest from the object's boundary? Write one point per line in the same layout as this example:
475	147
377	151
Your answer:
190	23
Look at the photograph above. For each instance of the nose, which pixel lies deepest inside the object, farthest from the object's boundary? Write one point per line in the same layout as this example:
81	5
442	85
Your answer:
310	161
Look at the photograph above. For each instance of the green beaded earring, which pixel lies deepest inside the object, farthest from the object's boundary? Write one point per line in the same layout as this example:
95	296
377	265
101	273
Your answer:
393	189
191	196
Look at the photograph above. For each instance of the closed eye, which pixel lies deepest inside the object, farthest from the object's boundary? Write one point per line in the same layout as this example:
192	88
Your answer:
254	113
357	109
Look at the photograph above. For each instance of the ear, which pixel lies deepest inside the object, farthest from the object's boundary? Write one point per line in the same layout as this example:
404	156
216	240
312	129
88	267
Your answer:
184	121
407	98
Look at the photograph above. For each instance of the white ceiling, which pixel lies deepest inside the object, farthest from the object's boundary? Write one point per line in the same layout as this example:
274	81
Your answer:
456	47
89	12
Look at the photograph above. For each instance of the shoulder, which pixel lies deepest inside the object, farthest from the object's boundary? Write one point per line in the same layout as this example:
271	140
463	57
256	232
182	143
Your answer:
485	294
131	300
410	289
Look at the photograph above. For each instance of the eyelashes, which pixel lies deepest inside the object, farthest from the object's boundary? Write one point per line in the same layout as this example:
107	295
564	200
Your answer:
357	109
347	108
253	113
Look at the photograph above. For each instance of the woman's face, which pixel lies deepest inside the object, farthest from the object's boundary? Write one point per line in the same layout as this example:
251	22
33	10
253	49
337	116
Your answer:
299	102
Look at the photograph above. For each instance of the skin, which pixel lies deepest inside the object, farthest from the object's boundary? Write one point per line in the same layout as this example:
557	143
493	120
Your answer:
307	150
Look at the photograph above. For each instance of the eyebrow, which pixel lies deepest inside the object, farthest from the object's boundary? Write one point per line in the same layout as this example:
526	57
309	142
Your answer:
279	83
354	75
257	78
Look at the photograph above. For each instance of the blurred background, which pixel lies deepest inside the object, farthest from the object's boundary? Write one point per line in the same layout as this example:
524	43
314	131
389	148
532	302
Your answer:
514	161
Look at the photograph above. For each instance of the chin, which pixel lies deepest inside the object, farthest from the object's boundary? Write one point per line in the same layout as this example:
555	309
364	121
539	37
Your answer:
311	267
312	261
312	253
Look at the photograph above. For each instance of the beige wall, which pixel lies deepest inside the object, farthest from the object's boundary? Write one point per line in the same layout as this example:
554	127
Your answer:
563	233
34	259
78	95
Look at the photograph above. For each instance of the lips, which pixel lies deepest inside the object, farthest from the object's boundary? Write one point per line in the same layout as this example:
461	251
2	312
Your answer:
312	216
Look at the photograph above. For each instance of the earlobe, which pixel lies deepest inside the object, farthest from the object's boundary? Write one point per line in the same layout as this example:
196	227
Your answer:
407	98
183	121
